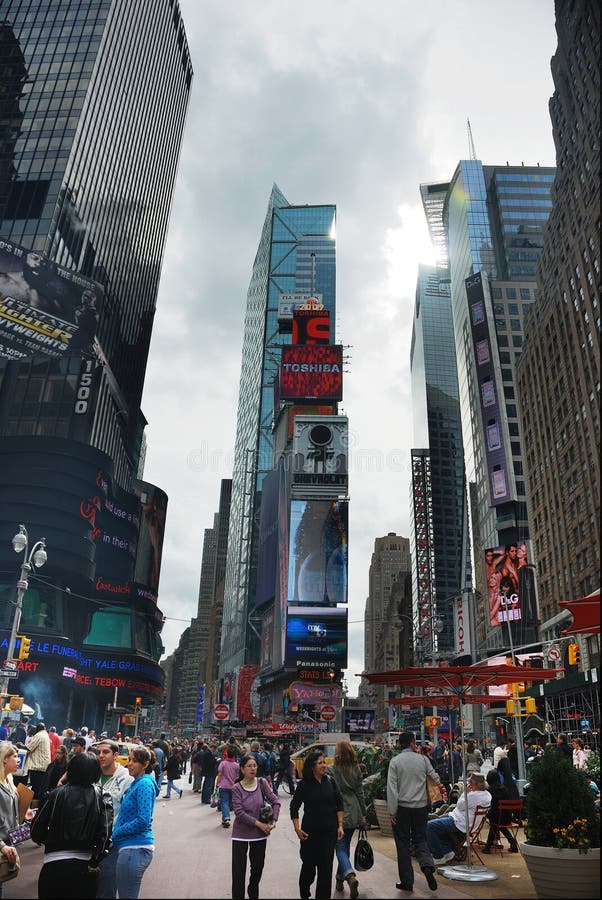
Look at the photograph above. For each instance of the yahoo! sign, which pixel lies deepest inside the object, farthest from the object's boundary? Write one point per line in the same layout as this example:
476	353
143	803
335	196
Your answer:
462	626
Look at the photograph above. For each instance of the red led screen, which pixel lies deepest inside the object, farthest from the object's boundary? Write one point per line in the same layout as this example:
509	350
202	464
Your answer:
312	371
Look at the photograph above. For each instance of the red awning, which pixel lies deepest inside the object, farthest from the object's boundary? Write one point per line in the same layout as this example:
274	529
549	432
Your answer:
585	613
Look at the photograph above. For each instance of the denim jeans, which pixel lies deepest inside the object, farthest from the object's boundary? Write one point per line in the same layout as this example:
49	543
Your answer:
442	835
207	789
132	863
225	799
106	887
343	852
171	786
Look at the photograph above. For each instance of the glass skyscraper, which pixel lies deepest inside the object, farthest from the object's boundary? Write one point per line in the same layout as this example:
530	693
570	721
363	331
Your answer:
93	100
296	254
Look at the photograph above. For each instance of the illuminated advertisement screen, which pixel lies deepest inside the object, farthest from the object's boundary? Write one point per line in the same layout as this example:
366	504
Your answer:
318	557
491	413
502	572
311	372
359	721
45	309
311	326
268	539
316	636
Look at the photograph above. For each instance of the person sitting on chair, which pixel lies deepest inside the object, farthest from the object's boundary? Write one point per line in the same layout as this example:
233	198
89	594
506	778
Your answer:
498	792
446	834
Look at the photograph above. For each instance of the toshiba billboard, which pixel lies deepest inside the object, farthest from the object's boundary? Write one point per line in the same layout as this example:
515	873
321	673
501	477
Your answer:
311	371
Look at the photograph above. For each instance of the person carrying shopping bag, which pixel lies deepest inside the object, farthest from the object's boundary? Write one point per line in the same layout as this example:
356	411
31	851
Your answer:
347	774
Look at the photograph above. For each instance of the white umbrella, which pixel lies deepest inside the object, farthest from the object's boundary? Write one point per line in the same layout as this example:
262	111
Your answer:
25	710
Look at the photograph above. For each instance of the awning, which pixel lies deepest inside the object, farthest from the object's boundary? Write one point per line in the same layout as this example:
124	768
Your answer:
585	613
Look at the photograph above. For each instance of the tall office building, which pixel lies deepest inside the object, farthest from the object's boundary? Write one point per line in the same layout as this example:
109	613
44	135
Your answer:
559	370
492	219
438	427
296	254
93	99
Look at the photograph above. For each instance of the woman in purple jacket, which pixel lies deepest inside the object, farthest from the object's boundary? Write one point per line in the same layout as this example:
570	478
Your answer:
248	833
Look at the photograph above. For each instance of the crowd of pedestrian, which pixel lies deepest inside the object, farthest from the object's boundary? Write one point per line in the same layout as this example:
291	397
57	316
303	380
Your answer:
94	816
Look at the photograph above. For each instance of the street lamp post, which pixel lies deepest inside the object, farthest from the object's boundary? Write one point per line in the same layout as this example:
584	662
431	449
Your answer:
33	559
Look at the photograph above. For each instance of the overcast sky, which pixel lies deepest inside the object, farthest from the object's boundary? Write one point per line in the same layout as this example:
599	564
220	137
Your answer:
337	101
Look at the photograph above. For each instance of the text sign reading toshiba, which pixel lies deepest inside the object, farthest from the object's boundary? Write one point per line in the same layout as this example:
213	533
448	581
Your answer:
311	371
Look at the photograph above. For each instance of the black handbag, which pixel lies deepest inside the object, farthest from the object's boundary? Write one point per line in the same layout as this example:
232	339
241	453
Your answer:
364	855
266	810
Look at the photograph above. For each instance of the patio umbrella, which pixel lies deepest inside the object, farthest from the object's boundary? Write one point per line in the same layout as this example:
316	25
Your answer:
460	680
585	613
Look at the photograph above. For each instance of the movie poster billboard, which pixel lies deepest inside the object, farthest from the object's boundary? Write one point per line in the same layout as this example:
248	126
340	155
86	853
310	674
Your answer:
359	721
311	372
318	552
316	637
320	454
502	573
45	309
491	410
268	540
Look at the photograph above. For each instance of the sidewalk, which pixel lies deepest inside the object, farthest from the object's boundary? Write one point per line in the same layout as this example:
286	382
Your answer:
193	860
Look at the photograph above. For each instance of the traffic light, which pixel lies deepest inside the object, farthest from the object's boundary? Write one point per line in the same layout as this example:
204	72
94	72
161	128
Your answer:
574	654
510	707
530	705
24	647
138	705
432	721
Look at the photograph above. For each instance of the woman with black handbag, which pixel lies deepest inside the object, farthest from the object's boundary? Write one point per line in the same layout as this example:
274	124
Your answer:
9	803
322	825
256	808
346	772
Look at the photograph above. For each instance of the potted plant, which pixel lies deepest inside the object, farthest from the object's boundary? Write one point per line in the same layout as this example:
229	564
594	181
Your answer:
562	831
375	789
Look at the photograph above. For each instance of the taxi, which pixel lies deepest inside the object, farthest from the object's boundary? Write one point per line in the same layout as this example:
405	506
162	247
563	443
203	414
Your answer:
124	753
325	747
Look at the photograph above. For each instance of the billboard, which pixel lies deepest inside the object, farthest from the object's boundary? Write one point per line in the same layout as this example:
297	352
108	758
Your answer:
320	454
316	636
311	372
502	574
288	303
491	410
359	721
45	309
268	539
318	556
311	326
324	409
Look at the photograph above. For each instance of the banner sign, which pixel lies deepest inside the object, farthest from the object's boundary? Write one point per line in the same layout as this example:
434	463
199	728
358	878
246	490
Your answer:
502	571
320	454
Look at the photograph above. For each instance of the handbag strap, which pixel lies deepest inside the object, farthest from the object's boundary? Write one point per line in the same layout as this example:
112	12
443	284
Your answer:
265	799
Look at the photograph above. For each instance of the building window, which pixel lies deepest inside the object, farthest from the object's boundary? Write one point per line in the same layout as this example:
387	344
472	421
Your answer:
110	627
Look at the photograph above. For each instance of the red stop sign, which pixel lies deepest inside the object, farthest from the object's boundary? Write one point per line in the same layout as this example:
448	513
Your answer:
327	713
221	711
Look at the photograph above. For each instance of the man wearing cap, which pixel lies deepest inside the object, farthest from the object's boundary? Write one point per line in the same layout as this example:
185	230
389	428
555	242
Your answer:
114	780
446	833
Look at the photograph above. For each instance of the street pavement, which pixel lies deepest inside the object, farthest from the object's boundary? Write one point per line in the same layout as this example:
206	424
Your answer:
193	854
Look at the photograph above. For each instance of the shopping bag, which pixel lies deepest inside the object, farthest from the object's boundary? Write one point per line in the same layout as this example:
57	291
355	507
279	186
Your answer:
20	834
25	800
364	857
214	799
434	791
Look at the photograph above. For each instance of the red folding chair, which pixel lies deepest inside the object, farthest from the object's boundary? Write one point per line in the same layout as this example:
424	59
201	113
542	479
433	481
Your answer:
472	839
510	816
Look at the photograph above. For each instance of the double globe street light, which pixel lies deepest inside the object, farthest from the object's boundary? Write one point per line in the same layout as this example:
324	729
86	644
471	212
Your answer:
32	559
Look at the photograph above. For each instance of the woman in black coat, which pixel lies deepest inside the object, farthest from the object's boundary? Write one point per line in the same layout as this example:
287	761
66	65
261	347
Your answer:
507	778
498	792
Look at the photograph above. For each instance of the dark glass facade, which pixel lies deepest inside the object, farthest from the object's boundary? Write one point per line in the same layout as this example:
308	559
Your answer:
296	254
93	99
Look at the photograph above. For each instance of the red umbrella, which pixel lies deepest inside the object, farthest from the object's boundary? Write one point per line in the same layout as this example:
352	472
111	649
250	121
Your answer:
585	613
459	680
441	699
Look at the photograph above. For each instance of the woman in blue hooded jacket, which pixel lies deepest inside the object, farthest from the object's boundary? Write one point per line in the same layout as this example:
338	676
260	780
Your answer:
133	834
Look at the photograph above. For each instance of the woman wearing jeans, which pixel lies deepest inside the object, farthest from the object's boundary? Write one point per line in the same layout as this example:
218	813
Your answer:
227	775
133	835
347	774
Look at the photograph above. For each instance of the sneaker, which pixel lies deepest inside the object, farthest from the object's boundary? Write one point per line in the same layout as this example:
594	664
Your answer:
339	886
166	798
353	886
226	824
444	859
429	874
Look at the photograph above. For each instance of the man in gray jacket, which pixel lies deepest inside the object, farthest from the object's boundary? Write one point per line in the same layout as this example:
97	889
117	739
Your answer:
114	780
408	804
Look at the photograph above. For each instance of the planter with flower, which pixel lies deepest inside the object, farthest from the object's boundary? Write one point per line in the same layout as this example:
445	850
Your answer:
562	830
375	789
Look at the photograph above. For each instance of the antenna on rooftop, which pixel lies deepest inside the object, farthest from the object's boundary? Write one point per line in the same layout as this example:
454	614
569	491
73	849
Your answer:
472	153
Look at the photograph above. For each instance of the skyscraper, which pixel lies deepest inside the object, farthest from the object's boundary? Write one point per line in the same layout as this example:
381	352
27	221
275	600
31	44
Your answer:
438	427
296	254
93	104
559	370
493	218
